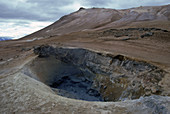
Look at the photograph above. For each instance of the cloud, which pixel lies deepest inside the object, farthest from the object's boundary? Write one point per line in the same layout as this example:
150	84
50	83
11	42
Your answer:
123	4
137	3
22	17
51	10
41	10
20	28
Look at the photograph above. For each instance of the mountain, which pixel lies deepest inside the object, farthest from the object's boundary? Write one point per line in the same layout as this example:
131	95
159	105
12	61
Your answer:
100	18
5	38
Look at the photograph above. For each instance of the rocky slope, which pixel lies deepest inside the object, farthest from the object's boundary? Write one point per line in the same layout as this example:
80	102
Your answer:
111	77
97	18
91	61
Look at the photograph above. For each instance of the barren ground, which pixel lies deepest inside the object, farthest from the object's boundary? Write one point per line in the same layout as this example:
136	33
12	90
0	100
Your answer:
22	91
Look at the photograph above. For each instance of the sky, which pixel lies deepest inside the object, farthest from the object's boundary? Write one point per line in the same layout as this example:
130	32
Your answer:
22	17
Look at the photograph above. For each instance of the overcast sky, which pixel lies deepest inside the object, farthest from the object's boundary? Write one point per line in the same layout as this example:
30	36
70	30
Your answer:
22	17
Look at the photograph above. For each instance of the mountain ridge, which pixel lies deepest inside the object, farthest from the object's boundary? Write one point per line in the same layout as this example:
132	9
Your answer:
102	18
5	38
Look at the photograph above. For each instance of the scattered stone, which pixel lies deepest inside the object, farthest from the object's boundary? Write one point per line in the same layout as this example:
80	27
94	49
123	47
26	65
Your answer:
124	39
130	32
147	92
16	56
164	30
43	50
154	89
117	35
25	49
148	34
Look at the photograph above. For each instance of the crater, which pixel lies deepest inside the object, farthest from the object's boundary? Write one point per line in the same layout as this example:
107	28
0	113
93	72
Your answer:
92	76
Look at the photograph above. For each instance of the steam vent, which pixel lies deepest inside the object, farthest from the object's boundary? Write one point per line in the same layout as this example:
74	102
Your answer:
92	61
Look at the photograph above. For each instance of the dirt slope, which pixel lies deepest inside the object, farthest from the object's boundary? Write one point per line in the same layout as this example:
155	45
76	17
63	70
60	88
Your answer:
97	18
